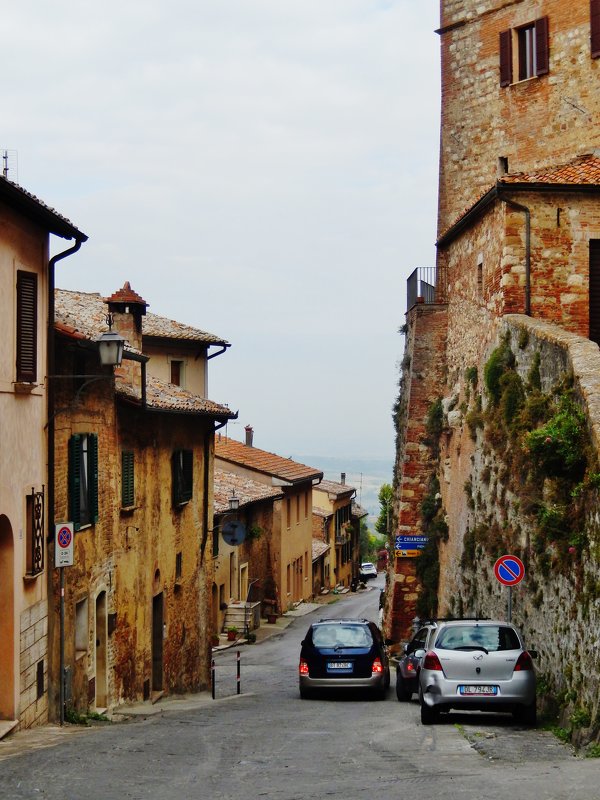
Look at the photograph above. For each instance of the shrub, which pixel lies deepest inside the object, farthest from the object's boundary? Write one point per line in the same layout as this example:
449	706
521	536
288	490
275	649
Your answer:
558	447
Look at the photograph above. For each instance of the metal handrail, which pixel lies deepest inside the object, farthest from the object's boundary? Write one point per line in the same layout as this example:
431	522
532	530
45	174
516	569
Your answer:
426	285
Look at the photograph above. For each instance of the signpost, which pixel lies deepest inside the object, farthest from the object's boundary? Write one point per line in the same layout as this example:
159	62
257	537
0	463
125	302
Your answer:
63	557
409	546
509	570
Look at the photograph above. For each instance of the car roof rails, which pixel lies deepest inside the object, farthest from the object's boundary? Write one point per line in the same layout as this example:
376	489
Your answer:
435	620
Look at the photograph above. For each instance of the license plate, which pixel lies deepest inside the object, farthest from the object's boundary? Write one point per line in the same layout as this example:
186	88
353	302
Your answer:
478	690
339	665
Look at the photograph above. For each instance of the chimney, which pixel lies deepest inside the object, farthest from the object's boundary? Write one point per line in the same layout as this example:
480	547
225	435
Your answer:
127	309
343	479
249	435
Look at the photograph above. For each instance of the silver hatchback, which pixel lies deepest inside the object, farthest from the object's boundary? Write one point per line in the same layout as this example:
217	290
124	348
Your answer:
477	664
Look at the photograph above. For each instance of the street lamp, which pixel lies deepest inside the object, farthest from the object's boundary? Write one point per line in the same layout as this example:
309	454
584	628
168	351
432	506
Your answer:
110	346
234	502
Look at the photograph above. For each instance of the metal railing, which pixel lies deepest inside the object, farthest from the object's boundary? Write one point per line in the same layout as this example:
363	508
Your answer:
426	285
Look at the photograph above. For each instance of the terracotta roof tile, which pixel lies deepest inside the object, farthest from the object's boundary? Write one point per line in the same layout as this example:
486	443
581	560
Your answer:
246	490
320	512
319	548
163	396
126	295
583	170
86	313
359	511
263	461
34	208
332	487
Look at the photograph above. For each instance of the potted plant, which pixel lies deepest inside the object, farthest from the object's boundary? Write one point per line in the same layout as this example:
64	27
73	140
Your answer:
232	632
214	639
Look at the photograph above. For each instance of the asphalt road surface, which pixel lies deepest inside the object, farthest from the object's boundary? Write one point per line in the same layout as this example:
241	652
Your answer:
267	742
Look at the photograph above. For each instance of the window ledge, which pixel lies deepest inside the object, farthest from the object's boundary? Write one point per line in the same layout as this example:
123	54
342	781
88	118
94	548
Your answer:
31	576
129	509
79	654
24	387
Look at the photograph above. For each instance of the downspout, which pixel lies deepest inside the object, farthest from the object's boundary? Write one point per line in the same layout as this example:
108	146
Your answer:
526	211
51	459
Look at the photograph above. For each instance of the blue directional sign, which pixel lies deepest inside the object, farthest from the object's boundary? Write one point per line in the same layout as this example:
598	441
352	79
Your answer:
509	570
411	542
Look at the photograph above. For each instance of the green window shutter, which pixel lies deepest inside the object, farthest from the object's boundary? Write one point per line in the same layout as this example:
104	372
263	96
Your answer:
93	475
74	480
127	479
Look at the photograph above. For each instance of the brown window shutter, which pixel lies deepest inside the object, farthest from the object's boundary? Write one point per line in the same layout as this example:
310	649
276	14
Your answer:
542	50
505	58
26	326
595	27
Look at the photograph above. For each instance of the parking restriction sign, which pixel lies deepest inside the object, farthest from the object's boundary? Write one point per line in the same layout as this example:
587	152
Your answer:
63	544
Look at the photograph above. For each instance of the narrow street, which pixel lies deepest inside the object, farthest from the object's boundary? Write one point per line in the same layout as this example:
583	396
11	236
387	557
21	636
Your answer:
269	743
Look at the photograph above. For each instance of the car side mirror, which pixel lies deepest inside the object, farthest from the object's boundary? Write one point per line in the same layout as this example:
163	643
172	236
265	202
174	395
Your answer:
420	653
405	649
534	653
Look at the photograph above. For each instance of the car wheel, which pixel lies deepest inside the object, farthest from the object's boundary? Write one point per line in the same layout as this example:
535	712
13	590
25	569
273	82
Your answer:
429	714
402	691
526	715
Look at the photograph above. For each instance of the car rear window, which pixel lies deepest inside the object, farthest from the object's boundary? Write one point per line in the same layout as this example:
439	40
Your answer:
492	637
336	635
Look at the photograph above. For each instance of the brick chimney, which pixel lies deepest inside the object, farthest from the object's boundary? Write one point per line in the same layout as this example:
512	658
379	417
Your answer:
343	479
249	435
127	309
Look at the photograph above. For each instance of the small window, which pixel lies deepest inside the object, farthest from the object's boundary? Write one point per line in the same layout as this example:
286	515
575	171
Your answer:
531	43
480	277
288	511
83	479
127	479
178	566
177	372
26	326
306	495
40	679
183	476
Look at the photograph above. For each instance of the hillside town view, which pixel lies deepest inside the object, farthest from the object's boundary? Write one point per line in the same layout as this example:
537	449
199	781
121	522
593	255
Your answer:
335	563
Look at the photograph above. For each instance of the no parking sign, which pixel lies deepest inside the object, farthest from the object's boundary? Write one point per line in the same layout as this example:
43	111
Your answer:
63	544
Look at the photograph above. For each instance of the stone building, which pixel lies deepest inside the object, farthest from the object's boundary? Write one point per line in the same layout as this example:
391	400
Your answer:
133	472
26	292
334	524
291	542
518	274
243	573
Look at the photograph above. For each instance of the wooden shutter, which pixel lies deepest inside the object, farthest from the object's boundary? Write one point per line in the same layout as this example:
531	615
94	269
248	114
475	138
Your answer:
93	476
75	481
26	326
127	479
183	476
595	27
505	58
542	50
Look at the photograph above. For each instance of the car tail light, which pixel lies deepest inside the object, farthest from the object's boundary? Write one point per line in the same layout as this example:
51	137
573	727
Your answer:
432	661
524	662
377	668
410	667
303	668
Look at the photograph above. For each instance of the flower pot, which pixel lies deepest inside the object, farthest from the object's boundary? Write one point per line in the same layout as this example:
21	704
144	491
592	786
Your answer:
272	618
231	636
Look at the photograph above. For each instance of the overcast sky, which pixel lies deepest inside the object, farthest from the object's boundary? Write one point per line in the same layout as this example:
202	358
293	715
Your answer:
262	169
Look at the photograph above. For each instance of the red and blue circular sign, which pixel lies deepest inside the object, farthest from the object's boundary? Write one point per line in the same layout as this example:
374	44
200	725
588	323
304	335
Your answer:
64	537
509	570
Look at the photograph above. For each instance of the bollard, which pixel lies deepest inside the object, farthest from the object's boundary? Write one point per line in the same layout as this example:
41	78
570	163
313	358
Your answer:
212	678
239	677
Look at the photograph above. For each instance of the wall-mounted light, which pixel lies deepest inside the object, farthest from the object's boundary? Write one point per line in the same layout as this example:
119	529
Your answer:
234	502
110	346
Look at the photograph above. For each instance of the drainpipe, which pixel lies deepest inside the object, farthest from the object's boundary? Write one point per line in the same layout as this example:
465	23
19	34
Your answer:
526	211
51	459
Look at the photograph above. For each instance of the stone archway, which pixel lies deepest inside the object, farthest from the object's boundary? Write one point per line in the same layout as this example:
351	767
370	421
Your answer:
7	620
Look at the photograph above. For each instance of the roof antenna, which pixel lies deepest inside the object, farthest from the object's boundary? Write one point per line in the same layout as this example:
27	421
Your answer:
5	163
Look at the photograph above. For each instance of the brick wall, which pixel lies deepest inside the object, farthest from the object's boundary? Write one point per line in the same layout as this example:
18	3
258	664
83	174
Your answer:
34	649
545	120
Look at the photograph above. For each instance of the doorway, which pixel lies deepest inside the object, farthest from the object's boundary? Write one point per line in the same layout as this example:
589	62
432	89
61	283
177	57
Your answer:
7	621
157	642
101	652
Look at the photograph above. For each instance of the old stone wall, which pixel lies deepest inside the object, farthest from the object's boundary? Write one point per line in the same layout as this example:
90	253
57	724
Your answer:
34	651
422	381
487	496
531	123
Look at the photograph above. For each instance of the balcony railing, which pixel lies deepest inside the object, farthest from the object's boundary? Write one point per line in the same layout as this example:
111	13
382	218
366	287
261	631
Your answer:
426	285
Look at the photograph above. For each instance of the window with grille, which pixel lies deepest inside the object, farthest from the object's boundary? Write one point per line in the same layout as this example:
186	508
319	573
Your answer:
26	326
34	532
83	479
183	476
127	479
